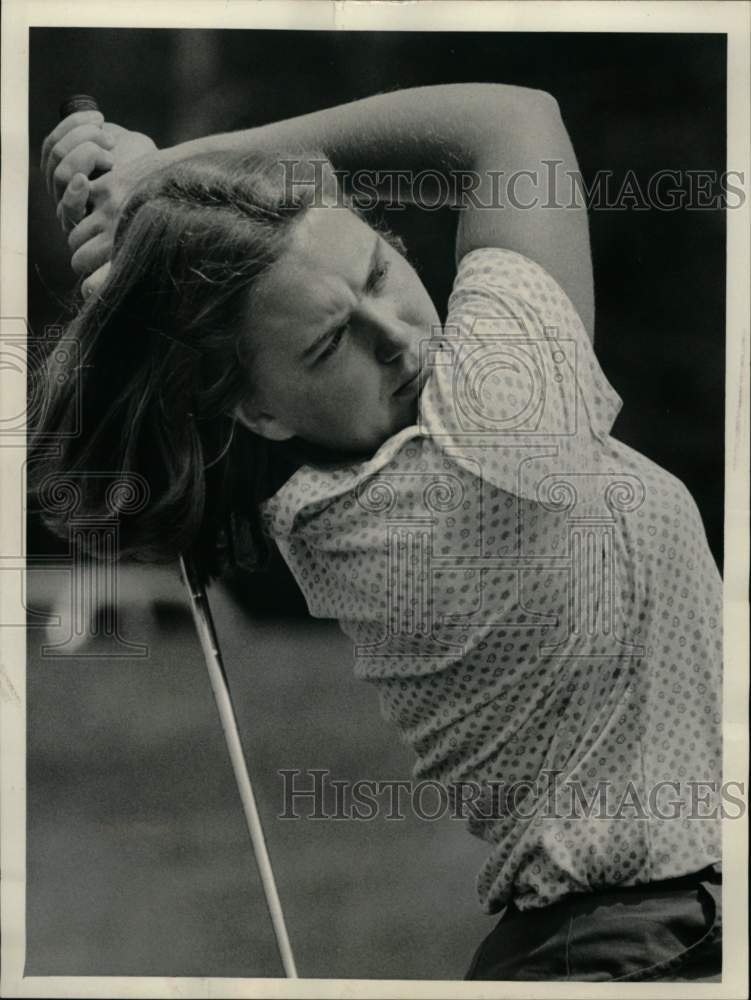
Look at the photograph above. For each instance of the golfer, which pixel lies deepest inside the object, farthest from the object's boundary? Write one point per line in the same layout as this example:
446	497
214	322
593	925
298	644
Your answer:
535	601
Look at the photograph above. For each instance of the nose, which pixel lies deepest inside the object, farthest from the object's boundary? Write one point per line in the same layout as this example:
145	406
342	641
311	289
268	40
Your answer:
391	336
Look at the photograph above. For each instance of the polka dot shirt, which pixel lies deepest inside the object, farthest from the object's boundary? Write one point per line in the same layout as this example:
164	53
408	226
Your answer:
535	601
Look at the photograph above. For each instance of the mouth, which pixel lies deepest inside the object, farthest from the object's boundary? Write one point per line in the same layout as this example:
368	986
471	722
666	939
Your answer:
410	387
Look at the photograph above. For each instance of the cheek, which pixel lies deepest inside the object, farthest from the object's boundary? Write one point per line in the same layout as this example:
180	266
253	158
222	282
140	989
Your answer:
329	402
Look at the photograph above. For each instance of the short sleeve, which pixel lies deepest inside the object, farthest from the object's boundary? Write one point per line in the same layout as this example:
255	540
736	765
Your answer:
338	558
367	558
515	401
515	378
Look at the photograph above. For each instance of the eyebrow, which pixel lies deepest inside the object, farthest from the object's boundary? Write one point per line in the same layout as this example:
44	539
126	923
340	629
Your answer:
367	287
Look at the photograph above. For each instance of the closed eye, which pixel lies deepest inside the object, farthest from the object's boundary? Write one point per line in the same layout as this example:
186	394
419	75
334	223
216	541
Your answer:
377	277
333	343
373	285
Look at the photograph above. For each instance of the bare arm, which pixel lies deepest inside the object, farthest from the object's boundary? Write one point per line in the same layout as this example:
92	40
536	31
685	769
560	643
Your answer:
498	135
477	129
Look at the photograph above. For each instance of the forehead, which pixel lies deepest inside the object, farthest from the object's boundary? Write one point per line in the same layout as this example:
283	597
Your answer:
319	271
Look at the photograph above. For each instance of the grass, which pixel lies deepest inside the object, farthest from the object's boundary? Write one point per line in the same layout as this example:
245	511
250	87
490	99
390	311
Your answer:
138	858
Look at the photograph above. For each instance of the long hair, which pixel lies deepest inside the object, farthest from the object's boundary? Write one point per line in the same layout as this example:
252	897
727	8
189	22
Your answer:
160	363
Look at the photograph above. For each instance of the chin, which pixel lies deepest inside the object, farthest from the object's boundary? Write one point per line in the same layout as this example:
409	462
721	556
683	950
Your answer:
409	418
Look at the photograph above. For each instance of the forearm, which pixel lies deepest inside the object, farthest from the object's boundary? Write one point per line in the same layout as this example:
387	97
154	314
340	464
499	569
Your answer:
502	138
493	143
449	127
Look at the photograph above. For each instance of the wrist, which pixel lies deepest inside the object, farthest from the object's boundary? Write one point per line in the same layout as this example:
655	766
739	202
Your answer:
240	141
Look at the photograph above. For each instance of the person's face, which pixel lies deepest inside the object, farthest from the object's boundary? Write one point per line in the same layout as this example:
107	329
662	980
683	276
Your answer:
334	337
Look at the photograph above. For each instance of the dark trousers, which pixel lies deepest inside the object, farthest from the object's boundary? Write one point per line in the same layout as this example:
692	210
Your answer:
668	931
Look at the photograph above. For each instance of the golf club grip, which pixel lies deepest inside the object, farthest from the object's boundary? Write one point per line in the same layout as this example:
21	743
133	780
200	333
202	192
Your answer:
77	102
80	102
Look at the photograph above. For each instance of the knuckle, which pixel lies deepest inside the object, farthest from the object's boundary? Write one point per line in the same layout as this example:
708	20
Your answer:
81	117
88	149
71	200
68	198
79	157
56	153
61	173
75	137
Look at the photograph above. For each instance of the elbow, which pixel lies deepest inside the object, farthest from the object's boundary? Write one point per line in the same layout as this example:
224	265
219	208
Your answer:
507	116
546	100
480	109
539	106
528	99
517	110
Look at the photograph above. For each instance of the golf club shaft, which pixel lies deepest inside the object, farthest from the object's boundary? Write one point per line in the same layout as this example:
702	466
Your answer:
202	618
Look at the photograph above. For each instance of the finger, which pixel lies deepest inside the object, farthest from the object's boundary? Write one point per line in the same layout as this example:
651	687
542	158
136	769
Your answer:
76	136
87	228
71	208
92	254
84	159
72	121
113	131
100	187
95	281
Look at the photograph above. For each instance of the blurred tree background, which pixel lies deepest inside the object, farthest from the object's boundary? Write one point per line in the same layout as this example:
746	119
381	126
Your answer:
640	103
138	862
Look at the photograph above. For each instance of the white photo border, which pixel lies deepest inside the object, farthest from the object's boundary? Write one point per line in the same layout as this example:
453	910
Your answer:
731	18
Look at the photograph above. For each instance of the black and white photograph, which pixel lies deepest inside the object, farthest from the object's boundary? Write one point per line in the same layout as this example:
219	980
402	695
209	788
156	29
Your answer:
374	550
